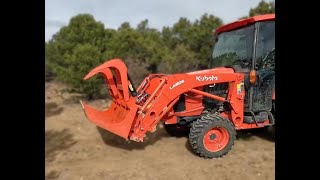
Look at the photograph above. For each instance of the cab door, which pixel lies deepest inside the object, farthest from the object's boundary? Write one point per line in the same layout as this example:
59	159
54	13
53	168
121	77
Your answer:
264	64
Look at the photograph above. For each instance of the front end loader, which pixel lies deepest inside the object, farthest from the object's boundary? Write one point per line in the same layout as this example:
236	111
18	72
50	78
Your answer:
237	93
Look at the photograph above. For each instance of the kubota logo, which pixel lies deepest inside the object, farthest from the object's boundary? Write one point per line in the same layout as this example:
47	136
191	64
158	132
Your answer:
206	78
177	84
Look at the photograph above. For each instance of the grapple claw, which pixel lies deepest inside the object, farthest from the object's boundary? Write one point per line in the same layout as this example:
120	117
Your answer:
119	117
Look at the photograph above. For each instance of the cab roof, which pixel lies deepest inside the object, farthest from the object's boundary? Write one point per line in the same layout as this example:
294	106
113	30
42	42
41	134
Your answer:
244	22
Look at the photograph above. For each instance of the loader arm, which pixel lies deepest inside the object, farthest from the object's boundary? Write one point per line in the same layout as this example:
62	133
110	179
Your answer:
166	90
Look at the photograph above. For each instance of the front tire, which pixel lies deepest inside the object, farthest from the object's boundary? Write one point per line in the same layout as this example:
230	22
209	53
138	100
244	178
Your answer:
212	136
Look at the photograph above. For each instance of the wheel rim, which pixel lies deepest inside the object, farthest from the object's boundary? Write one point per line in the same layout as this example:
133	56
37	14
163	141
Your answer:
216	139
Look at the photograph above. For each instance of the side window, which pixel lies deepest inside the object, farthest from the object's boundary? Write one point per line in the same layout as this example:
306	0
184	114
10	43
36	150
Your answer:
265	46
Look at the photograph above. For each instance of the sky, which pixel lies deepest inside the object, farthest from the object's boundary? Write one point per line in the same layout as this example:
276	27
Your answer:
159	12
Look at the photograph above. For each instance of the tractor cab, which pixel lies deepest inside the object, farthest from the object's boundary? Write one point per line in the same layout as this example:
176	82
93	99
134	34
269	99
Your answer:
248	46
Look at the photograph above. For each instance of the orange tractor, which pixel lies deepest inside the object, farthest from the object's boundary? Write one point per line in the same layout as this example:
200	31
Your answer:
237	92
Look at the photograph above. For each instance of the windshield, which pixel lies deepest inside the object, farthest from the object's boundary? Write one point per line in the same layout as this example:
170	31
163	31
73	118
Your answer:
232	46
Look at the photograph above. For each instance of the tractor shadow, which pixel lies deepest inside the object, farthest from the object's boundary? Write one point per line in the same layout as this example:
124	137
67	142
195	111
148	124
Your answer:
111	139
266	133
57	141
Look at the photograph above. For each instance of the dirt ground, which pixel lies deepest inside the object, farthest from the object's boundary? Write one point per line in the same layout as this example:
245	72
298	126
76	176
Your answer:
77	150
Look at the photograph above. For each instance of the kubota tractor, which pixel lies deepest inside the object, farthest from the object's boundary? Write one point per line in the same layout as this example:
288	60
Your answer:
236	92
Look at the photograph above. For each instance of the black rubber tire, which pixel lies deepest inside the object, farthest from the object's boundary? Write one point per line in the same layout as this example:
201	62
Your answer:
201	126
177	130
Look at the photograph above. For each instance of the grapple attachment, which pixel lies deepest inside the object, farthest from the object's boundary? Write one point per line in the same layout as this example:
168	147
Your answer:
119	117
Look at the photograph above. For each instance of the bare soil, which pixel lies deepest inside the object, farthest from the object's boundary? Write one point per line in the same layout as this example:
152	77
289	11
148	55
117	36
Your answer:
75	149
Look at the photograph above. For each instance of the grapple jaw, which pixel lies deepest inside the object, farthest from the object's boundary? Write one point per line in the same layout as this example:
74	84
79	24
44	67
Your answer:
116	119
120	116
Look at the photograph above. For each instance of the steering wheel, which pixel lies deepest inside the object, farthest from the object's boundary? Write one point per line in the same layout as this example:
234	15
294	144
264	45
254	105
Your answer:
243	62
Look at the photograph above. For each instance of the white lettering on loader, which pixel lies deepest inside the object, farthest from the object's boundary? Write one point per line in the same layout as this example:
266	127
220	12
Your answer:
177	84
207	78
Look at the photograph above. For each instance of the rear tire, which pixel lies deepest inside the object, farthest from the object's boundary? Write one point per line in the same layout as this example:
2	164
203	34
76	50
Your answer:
177	130
212	136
